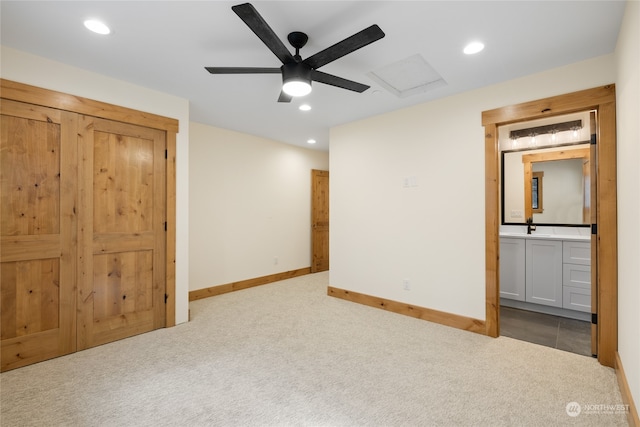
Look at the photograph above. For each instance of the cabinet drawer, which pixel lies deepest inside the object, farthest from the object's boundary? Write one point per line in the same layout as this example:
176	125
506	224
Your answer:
578	276
576	253
576	298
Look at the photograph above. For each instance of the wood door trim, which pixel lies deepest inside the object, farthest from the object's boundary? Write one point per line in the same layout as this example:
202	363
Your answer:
601	99
62	101
492	243
170	222
607	234
556	105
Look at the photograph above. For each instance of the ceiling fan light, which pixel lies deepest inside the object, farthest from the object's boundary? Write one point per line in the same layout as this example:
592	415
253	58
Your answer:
296	88
296	79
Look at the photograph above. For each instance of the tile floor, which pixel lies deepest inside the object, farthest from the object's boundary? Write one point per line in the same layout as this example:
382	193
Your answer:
544	329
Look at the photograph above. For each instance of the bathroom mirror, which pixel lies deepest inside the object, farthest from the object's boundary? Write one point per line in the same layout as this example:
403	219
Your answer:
550	185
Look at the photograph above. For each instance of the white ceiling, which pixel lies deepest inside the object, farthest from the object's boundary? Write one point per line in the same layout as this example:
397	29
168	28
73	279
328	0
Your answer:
165	45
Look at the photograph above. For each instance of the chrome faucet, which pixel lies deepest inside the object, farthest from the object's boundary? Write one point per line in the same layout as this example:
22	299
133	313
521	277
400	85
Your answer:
530	226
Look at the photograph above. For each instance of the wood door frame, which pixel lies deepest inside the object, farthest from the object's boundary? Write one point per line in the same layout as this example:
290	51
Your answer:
602	100
62	101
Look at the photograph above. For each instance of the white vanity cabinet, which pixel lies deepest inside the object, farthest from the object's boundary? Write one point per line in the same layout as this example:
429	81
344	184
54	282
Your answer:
544	272
576	276
512	269
552	272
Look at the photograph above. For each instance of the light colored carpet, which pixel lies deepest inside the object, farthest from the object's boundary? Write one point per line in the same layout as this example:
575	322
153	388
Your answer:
287	354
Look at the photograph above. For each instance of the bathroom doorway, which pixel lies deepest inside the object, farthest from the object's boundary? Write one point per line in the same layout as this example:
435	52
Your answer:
545	230
603	230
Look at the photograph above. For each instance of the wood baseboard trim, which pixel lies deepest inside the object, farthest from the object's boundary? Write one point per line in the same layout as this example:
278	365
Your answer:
245	284
447	319
625	391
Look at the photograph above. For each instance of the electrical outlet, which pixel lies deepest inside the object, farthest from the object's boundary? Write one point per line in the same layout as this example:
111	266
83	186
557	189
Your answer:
406	284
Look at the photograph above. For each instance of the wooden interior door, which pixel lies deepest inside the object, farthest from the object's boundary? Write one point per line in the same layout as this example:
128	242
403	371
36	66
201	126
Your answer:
38	193
319	220
122	235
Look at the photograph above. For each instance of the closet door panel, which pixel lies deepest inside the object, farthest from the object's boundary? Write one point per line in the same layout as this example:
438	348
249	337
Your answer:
122	267
38	251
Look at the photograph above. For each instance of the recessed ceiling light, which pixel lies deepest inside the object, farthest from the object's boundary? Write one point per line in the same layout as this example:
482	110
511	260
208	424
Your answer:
311	141
305	107
96	26
473	47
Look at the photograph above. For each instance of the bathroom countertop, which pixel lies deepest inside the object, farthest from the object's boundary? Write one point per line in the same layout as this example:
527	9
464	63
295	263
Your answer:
548	236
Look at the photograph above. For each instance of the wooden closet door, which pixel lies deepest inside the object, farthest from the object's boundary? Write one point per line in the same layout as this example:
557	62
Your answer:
38	252
122	231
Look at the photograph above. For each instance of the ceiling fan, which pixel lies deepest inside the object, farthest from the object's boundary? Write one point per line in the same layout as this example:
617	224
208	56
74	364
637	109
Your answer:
297	73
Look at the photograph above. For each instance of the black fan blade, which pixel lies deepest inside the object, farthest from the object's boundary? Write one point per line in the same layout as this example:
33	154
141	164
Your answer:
330	79
284	97
243	70
259	26
348	45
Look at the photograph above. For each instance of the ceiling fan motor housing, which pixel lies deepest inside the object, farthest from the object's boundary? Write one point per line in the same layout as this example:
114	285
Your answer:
296	71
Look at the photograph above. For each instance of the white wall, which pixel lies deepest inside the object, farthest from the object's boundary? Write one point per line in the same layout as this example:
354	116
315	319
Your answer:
628	115
432	233
37	71
251	204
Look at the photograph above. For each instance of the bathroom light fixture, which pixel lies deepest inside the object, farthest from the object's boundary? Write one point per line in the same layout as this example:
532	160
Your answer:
296	79
97	26
473	47
575	130
543	130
